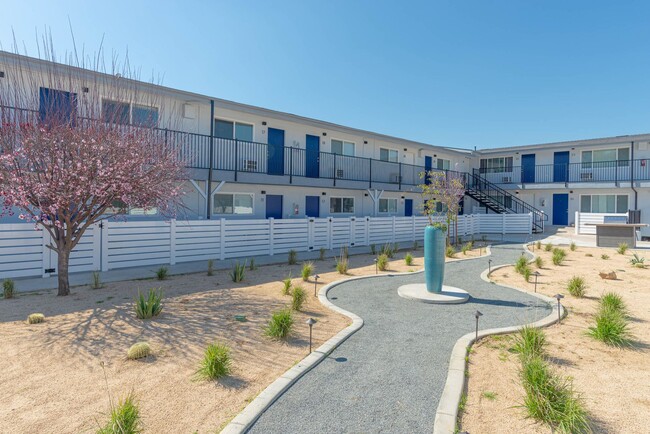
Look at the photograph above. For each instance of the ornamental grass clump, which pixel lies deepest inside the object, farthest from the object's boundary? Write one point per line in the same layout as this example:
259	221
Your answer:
521	264
538	245
251	264
161	273
150	306
558	256
280	324
611	300
388	250
321	254
342	265
124	418
611	322
527	273
36	318
210	267
96	281
292	258
548	247
450	252
604	256
408	259
467	247
530	342
577	286
573	246
298	296
373	249
622	248
286	288
216	362
138	350
382	262
8	288
307	270
237	272
539	262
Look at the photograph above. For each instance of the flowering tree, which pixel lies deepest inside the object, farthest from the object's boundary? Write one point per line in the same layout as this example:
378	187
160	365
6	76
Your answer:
64	171
441	195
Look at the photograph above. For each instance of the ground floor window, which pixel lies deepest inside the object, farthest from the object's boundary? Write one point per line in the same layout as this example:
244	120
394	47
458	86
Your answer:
387	205
604	203
232	203
341	205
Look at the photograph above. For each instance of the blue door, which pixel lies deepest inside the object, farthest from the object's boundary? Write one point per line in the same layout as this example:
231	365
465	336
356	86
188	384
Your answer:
528	168
57	105
561	166
428	165
408	207
312	154
275	157
312	206
274	206
561	209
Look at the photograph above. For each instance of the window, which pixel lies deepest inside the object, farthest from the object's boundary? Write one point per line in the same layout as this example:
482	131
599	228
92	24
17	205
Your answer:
232	203
341	205
606	158
604	203
341	147
124	113
443	164
387	205
144	116
496	165
233	130
388	155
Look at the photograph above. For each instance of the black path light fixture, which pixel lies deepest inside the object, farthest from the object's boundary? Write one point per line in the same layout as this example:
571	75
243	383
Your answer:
536	273
559	316
316	277
477	314
489	266
310	322
376	269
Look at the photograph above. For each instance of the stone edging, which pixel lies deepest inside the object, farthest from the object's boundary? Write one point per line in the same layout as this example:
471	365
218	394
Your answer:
447	413
249	415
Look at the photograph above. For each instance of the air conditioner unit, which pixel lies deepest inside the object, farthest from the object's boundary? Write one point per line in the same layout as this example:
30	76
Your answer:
506	179
339	173
586	176
249	166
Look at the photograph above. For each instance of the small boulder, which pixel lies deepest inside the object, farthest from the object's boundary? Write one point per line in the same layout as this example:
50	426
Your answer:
611	275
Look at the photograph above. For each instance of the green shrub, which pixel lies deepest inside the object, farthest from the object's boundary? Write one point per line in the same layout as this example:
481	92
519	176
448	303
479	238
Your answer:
298	296
161	273
237	272
321	254
382	262
342	265
558	258
293	257
548	247
539	262
150	306
8	288
521	264
466	247
604	256
124	418
450	252
138	350
637	261
307	269
577	286
216	362
280	325
611	327
408	259
538	245
527	273
613	301
373	249
622	248
210	267
560	252
251	264
573	246
96	281
344	252
35	318
530	342
286	290
388	250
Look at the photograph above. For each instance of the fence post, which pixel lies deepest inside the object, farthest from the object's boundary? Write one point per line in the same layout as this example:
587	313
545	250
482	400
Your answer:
271	236
172	242
393	231
577	228
222	239
352	220
105	225
503	224
329	233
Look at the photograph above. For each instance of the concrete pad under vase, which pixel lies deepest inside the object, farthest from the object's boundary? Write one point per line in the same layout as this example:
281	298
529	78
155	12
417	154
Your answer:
448	295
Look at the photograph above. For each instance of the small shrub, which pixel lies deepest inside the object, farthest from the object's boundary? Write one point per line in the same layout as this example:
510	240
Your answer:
342	265
521	264
538	245
539	262
396	247
622	248
450	252
280	324
96	281
210	267
577	286
408	259
459	241
138	350
307	269
527	273
382	262
573	246
557	258
530	342
124	418
161	273
150	306
298	296
604	256
8	288
321	254
286	289
35	318
613	301
251	264
548	247
466	247
344	252
611	327
216	362
560	252
637	261
373	249
293	257
237	272
387	250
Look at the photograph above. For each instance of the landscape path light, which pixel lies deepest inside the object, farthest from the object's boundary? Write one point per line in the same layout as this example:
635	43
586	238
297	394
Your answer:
559	316
536	273
477	314
376	270
489	267
316	277
310	322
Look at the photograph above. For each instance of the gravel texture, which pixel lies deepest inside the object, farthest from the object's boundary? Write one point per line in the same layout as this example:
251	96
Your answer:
388	377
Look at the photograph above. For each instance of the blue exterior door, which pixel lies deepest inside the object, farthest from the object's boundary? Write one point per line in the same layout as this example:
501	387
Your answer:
528	168
312	206
275	157
312	154
57	105
408	207
561	209
428	165
274	206
561	166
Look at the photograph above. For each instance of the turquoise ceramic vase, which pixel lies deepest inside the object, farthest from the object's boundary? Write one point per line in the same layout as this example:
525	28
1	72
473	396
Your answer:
434	258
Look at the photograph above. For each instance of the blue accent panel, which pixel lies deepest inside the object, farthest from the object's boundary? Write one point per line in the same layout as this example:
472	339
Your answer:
312	154
408	207
274	206
428	165
561	209
275	152
312	206
561	166
57	105
434	258
528	168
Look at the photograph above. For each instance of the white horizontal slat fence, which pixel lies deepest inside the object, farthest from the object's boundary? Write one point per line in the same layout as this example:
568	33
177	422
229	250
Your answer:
113	245
585	221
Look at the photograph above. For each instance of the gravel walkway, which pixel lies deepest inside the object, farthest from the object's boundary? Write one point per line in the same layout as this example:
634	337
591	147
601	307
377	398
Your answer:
388	376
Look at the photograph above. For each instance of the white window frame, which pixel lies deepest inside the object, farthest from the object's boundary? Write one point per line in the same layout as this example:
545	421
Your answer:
130	104
618	162
233	194
343	142
591	203
390	151
388	210
502	168
234	127
342	197
443	160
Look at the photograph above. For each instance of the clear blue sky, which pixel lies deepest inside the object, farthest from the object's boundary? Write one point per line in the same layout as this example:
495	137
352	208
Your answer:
453	73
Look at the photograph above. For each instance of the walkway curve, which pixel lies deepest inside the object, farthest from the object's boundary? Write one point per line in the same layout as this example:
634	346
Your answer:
389	376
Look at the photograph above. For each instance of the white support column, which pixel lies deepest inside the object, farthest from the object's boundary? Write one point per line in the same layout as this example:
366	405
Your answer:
577	228
222	239
375	195
105	232
271	236
172	242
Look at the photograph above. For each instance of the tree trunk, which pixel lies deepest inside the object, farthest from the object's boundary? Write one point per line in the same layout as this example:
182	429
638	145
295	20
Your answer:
63	262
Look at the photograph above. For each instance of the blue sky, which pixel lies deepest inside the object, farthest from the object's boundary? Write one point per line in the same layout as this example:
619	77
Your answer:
453	73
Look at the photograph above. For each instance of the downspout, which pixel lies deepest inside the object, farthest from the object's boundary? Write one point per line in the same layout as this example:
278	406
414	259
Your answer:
211	153
636	193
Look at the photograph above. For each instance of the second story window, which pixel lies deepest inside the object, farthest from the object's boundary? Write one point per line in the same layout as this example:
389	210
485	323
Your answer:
443	164
605	158
388	155
233	130
124	113
341	147
144	116
496	165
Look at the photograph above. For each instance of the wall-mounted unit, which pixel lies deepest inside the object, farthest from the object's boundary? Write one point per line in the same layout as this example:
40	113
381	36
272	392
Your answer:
586	176
189	111
506	179
249	166
339	173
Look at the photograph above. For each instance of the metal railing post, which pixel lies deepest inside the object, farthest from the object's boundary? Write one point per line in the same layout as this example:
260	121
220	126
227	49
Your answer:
399	176
211	155
334	170
291	165
370	177
236	158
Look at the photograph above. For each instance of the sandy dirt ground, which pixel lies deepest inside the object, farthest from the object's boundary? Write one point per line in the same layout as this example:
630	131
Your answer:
614	383
52	380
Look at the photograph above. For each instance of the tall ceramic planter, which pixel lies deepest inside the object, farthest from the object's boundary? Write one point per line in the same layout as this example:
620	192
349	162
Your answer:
434	258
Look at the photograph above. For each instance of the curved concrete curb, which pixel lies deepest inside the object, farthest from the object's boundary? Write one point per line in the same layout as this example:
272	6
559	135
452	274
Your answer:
447	413
249	415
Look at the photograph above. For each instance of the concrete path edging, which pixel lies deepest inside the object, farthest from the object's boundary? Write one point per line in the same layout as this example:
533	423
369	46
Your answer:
249	415
447	413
